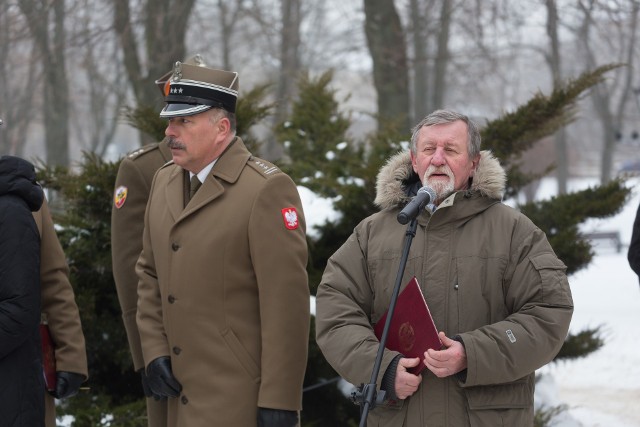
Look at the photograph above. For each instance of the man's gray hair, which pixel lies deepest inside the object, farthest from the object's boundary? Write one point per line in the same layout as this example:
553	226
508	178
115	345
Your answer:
219	113
440	117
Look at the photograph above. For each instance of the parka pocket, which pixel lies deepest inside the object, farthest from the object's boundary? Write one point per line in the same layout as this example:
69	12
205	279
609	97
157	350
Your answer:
501	405
389	413
241	354
555	286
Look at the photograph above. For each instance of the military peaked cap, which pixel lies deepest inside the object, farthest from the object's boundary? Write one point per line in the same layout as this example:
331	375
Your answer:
194	89
163	81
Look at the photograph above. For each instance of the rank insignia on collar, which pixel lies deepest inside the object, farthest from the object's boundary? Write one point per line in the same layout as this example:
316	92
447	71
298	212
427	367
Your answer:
290	217
120	196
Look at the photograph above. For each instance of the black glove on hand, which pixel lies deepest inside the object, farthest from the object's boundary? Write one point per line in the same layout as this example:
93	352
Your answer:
67	384
145	383
161	380
277	418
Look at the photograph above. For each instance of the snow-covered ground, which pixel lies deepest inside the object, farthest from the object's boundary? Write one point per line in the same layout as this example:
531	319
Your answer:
603	389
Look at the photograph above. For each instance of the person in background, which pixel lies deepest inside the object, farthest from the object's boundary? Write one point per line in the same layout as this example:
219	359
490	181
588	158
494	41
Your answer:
21	403
495	288
58	307
634	246
61	312
127	221
130	196
223	296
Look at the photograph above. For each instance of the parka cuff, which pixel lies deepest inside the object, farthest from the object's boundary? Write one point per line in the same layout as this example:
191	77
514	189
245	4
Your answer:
462	375
389	379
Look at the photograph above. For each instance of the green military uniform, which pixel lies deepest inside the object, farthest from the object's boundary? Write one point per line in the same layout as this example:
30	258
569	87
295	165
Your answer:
127	221
59	306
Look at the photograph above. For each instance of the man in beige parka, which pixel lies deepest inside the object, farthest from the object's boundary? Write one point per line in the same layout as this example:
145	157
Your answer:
495	288
223	298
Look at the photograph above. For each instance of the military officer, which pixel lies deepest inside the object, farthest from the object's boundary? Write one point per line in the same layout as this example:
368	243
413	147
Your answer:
61	312
223	297
130	197
127	221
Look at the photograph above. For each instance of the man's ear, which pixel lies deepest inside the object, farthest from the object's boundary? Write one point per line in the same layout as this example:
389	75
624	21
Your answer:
224	126
414	161
475	162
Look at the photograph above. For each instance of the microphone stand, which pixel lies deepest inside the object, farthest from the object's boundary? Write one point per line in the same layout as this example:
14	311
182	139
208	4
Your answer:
367	395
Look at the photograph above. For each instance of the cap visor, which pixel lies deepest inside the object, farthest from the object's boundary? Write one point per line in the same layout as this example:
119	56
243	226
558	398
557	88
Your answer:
180	110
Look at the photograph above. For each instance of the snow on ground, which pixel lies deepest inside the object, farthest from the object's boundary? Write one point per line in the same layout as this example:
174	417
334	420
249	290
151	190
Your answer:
603	388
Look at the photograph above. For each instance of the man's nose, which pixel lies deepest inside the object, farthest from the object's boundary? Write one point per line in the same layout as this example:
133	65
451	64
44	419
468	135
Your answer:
438	158
169	131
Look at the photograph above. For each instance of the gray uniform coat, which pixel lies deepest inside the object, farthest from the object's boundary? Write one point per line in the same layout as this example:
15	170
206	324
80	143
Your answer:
223	290
488	275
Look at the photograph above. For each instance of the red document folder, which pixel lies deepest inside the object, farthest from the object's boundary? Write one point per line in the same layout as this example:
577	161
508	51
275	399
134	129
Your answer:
412	330
48	357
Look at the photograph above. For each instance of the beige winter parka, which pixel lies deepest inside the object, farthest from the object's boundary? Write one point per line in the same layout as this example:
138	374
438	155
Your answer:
488	275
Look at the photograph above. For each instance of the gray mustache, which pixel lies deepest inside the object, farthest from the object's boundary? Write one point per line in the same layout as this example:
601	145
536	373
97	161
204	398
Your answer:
175	144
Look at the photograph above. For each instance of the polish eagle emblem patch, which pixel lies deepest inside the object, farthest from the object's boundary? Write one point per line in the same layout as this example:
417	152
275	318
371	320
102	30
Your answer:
120	196
290	216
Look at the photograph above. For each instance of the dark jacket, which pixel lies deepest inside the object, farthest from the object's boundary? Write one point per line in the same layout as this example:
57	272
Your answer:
489	276
21	379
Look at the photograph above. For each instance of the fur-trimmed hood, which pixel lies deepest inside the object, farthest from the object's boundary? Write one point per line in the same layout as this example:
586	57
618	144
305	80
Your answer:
397	183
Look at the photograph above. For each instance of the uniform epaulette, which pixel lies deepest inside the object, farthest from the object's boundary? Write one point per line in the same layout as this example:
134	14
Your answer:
142	150
263	167
169	163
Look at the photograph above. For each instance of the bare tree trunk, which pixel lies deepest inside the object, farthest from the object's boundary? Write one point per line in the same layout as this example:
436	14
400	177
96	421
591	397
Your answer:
442	58
289	69
554	61
228	19
420	98
18	98
162	46
385	38
51	47
603	98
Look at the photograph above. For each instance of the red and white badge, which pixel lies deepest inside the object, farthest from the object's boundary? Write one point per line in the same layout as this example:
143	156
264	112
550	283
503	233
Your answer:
290	217
120	196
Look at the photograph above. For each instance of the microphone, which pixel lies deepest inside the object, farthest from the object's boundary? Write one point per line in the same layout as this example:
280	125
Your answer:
415	206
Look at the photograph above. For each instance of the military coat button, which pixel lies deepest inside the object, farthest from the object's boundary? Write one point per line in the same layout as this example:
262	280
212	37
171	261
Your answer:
184	400
177	350
175	247
171	299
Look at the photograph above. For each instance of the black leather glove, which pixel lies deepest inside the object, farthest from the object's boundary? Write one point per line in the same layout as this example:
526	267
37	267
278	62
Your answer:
161	380
67	384
145	383
277	418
